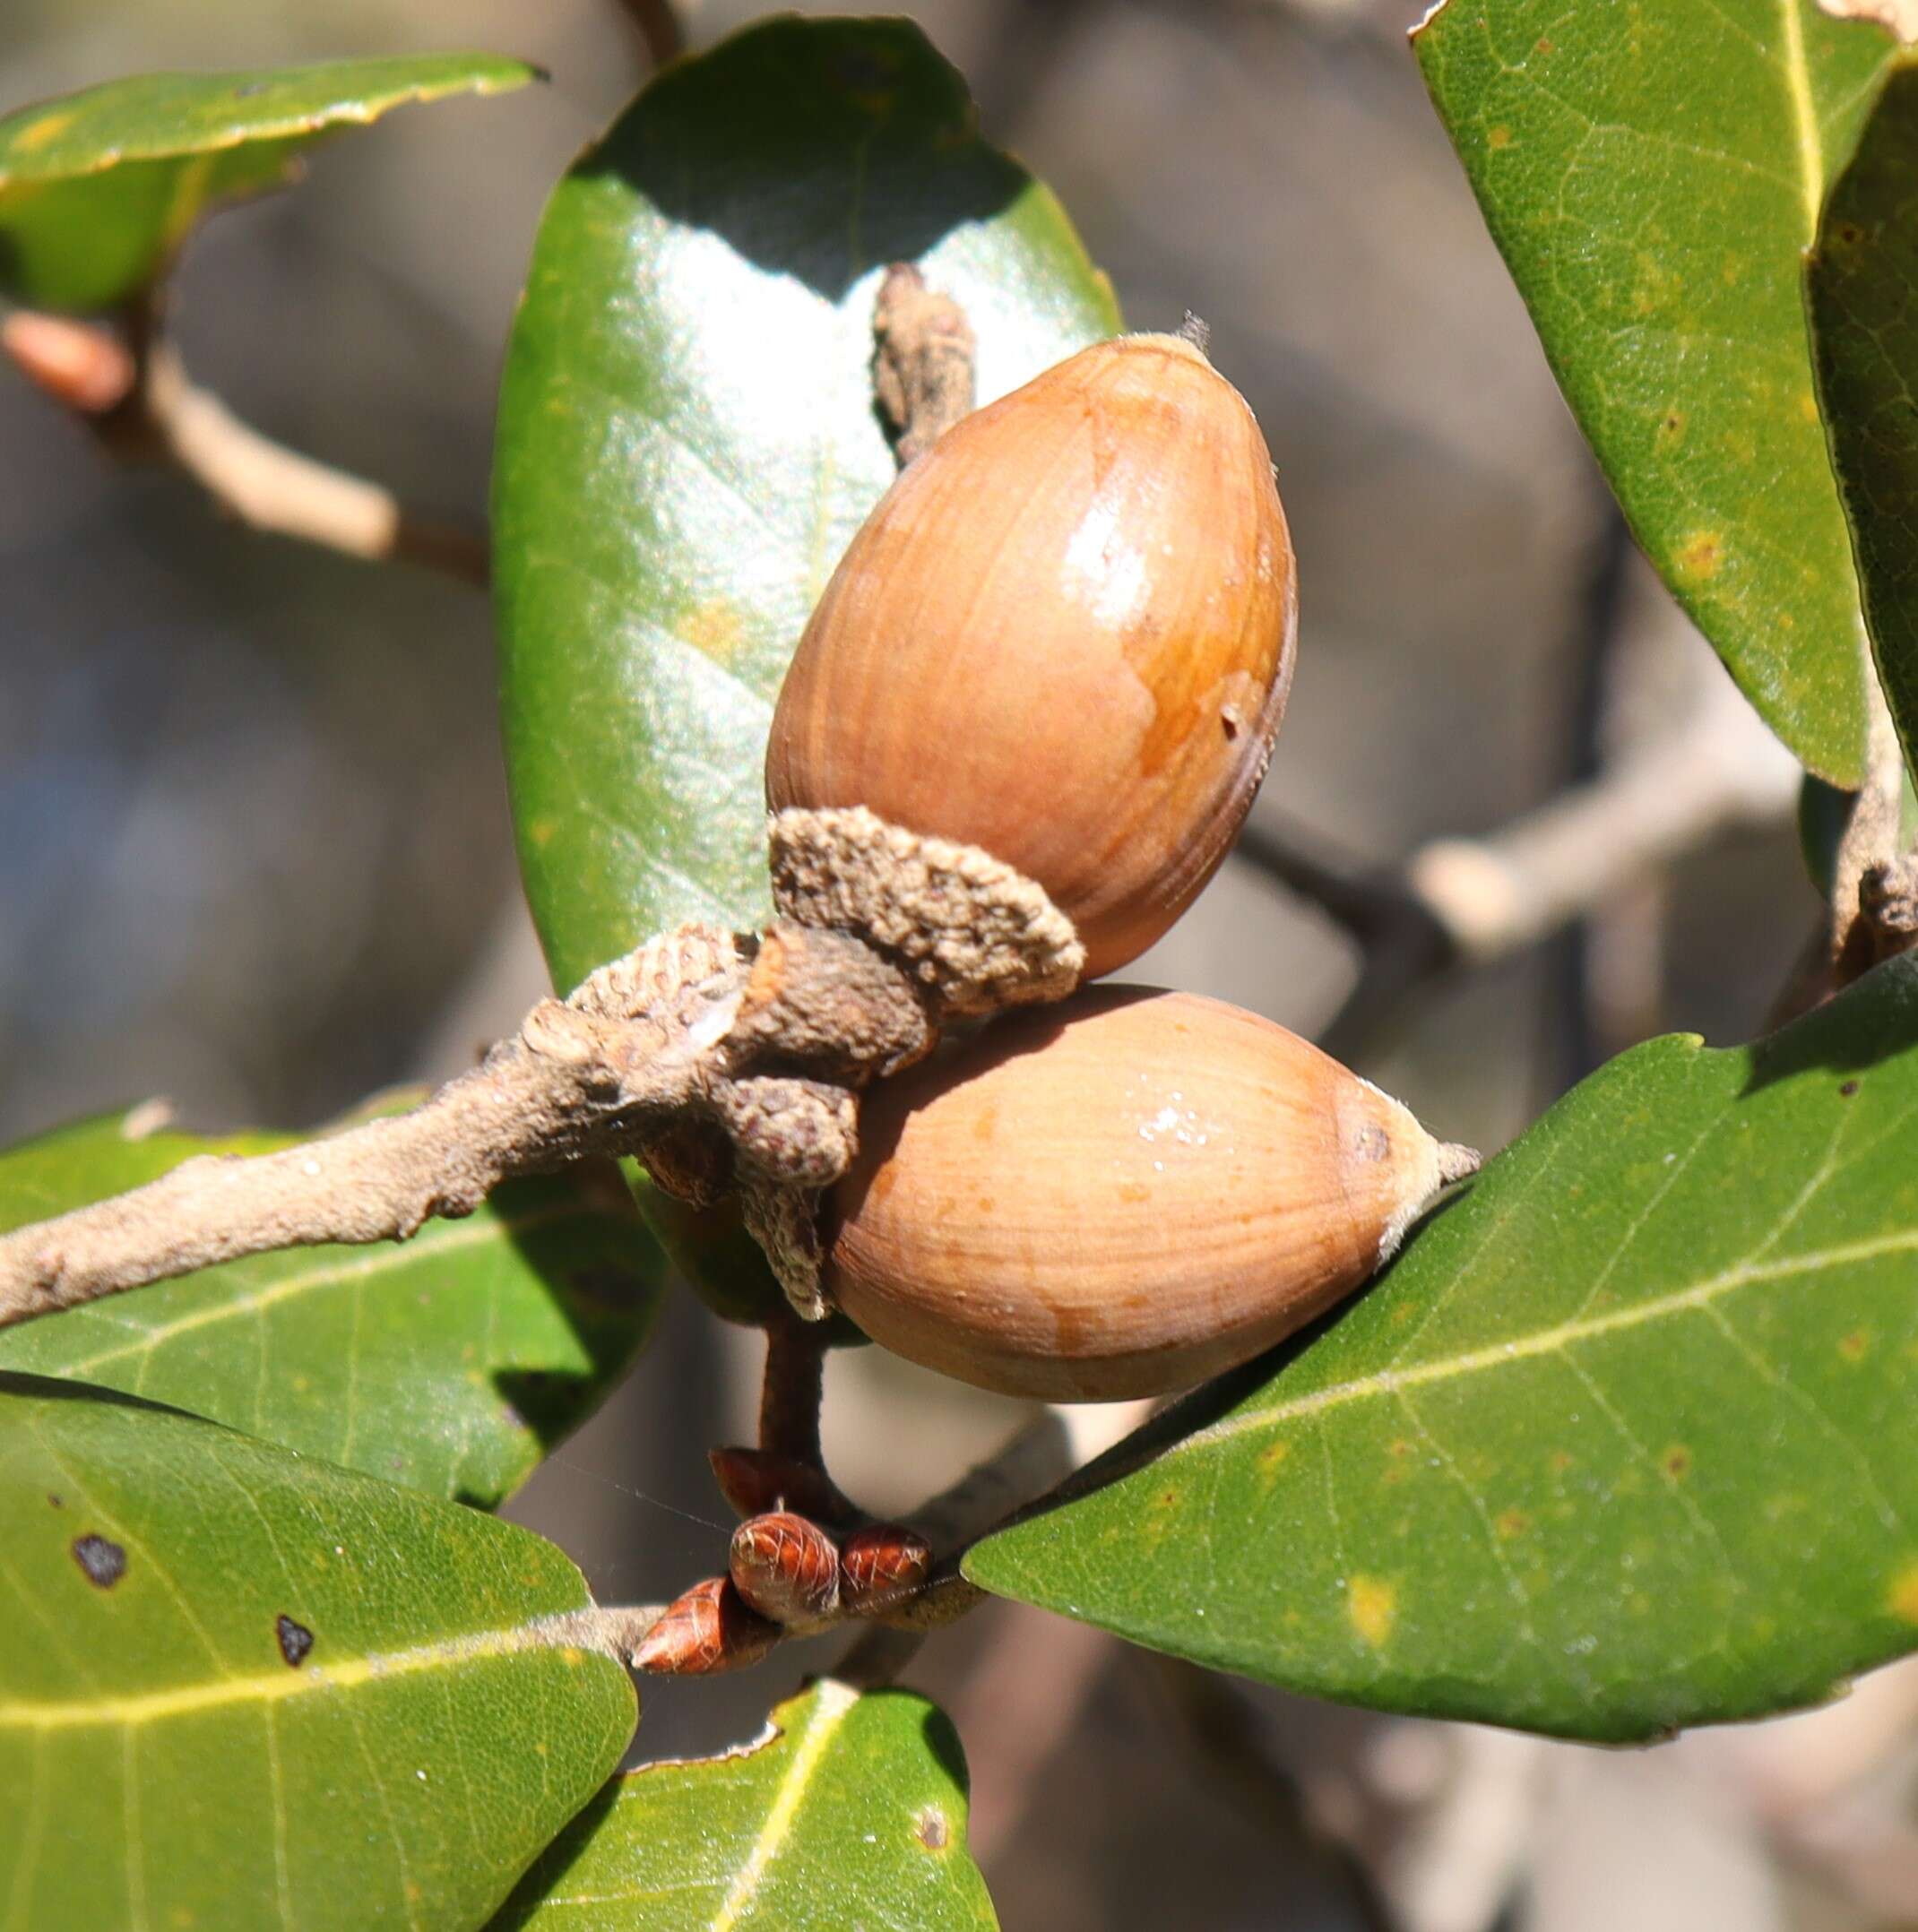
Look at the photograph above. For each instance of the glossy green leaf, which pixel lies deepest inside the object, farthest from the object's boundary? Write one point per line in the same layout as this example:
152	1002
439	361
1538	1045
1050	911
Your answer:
851	1813
1652	173
687	438
98	188
1626	1440
1861	296
241	1687
453	1362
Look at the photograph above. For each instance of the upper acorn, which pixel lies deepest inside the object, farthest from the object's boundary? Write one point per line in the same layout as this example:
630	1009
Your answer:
1063	635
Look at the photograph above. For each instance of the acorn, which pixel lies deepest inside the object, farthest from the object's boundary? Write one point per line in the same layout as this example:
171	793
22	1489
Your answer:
1120	1196
1065	635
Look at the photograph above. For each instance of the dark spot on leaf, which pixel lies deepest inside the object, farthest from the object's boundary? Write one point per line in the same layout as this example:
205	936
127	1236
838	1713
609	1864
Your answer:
1847	232
54	1500
932	1830
247	90
294	1640
1847	1089
1544	46
104	1561
1676	1461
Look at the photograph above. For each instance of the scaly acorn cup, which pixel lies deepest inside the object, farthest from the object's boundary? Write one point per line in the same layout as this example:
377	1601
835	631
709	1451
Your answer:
1064	636
1120	1196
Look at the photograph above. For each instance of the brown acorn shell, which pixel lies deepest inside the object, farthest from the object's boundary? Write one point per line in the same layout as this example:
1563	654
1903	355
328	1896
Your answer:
1117	1197
1065	635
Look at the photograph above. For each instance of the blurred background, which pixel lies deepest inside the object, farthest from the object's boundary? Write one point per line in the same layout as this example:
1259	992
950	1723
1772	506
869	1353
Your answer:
255	856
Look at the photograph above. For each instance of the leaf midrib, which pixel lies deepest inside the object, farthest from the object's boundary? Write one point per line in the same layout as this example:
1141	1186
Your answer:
1804	114
561	1630
833	1702
1699	1295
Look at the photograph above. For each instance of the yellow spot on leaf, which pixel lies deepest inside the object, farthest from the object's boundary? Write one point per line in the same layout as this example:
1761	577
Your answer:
1853	1346
573	1656
1499	137
714	628
1807	406
1511	1523
1373	1607
1270	1458
1904	1593
1558	1461
49	127
1676	1461
539	833
1700	555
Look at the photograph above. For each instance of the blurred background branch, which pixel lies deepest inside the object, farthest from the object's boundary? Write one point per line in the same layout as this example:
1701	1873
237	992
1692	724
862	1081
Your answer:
136	393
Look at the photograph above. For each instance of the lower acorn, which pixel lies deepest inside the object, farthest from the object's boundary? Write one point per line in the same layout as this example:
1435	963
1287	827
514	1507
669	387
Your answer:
1119	1197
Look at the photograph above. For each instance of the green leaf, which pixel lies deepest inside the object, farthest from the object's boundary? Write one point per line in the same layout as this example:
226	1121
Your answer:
1651	173
97	189
1861	276
453	1362
1625	1441
687	438
241	1687
851	1812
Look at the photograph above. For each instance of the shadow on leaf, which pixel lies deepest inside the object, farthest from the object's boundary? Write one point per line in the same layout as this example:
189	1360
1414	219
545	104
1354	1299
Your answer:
874	137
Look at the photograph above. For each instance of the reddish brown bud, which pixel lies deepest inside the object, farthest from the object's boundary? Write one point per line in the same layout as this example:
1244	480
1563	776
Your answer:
786	1567
82	366
707	1629
881	1565
756	1480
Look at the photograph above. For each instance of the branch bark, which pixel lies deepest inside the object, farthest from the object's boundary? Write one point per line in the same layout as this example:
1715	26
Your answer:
675	1030
562	1087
